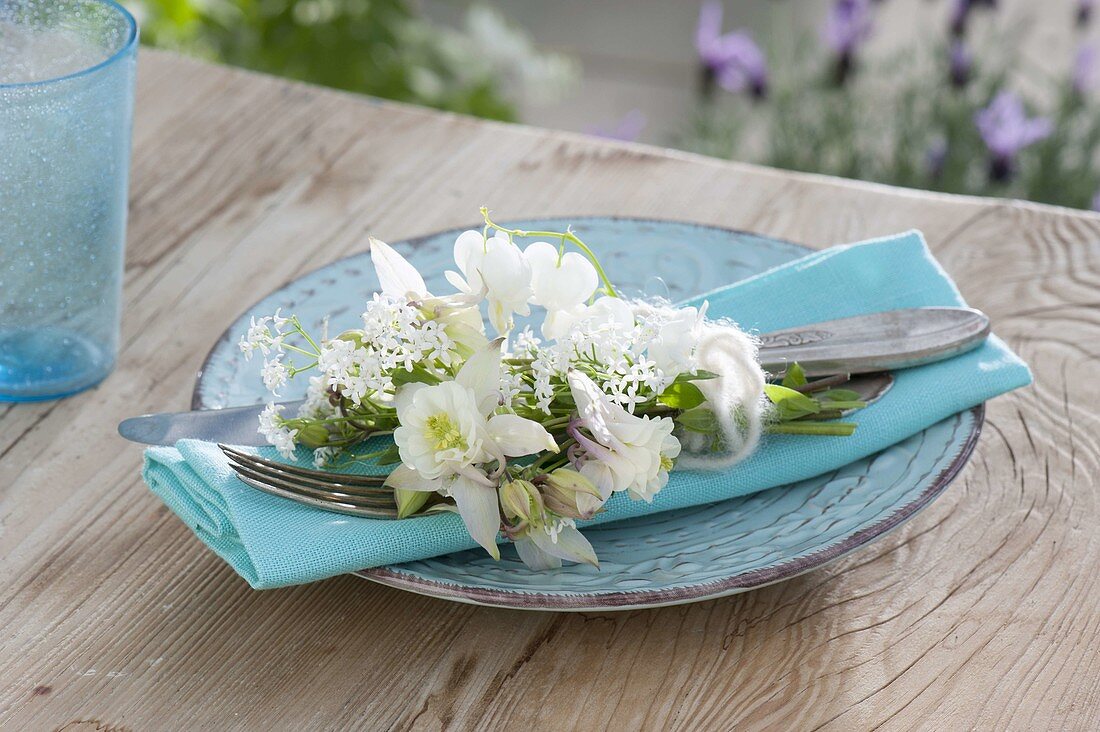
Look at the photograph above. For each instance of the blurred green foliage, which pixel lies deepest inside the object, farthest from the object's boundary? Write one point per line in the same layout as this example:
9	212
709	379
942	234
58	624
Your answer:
378	47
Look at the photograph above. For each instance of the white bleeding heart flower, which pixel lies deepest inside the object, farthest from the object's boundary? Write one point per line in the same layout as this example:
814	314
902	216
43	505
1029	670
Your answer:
620	452
559	283
447	439
495	268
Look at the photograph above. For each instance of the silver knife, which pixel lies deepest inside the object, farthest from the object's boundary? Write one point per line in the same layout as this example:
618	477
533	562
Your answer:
864	344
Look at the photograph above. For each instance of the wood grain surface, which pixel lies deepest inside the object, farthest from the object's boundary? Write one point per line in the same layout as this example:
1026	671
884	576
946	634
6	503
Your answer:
982	613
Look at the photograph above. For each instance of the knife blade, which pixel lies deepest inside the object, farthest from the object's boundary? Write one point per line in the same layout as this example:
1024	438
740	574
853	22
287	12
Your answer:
863	344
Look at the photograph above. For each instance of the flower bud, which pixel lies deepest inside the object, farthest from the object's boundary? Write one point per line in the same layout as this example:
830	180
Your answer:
521	501
560	489
409	501
351	336
313	435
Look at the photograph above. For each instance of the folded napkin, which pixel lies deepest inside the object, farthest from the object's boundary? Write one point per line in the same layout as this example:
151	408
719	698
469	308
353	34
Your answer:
274	542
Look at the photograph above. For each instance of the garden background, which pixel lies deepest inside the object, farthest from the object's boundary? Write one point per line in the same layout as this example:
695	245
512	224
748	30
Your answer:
988	97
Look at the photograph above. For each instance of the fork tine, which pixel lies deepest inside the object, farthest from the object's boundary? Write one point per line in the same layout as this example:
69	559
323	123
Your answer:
330	486
328	502
317	493
318	475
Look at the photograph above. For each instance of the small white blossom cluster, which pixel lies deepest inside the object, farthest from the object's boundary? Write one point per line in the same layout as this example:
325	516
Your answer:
275	431
523	434
395	337
633	350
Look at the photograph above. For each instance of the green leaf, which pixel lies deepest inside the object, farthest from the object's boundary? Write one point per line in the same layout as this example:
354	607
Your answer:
418	375
839	405
840	395
389	457
699	375
699	420
791	404
409	502
682	395
795	376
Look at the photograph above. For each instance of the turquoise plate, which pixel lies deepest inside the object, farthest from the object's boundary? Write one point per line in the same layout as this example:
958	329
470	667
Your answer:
668	558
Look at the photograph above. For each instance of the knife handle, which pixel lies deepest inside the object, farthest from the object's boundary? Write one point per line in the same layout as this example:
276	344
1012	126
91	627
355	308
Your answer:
884	341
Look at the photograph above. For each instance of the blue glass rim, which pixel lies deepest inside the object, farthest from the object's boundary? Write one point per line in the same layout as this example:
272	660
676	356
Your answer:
124	50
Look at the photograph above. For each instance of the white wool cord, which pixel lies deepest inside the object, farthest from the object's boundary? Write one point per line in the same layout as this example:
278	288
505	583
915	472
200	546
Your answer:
736	397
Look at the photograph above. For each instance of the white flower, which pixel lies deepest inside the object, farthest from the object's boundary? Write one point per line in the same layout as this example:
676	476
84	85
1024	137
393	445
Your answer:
316	404
446	440
559	284
457	315
398	278
442	431
545	545
495	268
275	374
621	452
259	336
275	432
675	336
322	456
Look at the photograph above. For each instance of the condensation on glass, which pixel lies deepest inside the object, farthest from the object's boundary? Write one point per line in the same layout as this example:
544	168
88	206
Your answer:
66	99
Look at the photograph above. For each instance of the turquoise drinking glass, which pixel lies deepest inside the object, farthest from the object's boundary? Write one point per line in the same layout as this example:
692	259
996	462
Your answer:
66	105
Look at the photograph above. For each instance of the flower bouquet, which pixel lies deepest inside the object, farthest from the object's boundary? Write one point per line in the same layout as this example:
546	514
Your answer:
525	432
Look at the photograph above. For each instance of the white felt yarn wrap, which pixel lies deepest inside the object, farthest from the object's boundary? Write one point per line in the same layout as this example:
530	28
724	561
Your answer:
736	397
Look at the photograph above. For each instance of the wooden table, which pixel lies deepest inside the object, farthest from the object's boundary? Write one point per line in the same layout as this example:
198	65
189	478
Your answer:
983	612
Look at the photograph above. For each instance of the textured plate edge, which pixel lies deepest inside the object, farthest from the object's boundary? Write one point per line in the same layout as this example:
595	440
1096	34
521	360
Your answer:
227	336
643	599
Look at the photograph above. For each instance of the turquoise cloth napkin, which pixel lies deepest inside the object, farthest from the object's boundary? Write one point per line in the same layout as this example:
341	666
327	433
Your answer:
274	542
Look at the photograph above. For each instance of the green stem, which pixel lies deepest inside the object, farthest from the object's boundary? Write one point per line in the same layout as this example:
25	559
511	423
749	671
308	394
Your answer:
838	429
565	236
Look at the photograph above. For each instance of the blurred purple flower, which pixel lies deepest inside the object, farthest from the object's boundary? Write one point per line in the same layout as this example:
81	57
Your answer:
1006	130
1096	202
1086	69
732	59
847	27
628	129
960	13
961	64
1084	12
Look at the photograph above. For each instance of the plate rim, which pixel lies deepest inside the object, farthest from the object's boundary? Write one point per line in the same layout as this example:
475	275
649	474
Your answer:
734	584
632	599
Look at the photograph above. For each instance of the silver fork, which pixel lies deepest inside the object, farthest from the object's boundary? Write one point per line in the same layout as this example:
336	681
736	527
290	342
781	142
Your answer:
367	496
354	495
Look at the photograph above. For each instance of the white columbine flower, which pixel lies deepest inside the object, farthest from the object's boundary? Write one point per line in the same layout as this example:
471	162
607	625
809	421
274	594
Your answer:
621	452
276	433
447	438
495	268
561	285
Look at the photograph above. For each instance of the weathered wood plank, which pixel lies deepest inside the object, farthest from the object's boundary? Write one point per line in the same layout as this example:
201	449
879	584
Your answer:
982	612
